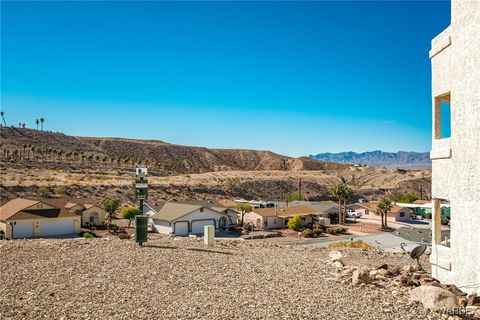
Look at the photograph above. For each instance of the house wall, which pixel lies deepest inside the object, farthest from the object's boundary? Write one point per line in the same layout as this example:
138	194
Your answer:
36	225
455	60
162	226
88	212
206	214
406	215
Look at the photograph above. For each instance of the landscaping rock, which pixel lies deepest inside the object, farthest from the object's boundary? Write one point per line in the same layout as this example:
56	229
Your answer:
434	298
338	264
336	256
361	276
383	266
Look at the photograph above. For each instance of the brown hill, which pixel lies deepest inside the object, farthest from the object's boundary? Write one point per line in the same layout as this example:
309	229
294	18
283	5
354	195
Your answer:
166	158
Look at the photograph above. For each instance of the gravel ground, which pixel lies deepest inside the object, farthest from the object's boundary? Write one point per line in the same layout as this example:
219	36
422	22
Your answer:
181	279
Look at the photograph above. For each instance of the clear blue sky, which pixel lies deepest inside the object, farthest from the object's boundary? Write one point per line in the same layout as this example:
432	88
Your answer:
296	78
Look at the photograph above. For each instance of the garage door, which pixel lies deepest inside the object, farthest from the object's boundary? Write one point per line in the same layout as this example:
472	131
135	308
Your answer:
181	228
57	228
23	230
197	226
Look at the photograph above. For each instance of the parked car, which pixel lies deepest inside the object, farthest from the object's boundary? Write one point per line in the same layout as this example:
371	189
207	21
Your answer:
353	214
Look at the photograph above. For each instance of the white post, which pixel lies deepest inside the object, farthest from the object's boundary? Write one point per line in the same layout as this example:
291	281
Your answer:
209	236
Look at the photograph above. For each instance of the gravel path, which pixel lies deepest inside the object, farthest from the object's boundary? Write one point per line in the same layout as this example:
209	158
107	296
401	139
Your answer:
181	279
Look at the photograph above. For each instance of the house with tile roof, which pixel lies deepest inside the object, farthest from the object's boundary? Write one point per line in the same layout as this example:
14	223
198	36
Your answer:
189	217
277	218
31	218
369	211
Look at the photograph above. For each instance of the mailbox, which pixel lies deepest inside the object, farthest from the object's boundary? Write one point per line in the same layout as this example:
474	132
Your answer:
141	229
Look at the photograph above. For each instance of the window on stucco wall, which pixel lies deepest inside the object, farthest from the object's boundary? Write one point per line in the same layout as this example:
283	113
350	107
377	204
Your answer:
442	117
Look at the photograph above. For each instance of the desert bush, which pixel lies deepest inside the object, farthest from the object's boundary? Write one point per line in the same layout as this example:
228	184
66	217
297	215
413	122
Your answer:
354	244
130	214
295	223
294	196
43	191
308	233
318	231
337	230
232	183
60	191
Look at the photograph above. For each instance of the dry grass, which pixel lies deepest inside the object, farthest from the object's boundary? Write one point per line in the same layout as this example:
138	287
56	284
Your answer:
354	244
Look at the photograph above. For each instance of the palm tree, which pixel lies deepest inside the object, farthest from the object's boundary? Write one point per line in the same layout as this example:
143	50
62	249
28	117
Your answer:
37	122
338	191
348	194
383	207
41	122
3	118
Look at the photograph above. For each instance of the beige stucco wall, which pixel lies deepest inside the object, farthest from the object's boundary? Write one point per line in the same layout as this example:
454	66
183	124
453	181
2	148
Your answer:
88	212
36	225
455	58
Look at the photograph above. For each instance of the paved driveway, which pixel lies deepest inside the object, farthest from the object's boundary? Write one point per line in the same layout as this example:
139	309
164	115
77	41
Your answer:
384	241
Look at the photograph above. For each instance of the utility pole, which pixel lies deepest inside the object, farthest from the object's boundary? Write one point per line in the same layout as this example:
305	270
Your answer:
141	193
300	186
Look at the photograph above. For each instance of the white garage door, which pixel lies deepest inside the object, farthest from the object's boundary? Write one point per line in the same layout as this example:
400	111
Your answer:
57	228
23	230
197	226
181	228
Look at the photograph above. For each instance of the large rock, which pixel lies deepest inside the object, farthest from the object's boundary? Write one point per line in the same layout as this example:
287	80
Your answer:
361	276
336	256
435	298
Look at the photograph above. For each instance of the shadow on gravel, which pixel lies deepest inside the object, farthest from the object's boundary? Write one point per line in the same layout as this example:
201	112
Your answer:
211	251
159	247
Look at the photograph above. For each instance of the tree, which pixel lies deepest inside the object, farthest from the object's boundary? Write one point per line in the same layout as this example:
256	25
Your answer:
383	207
295	223
293	196
3	118
402	197
110	206
37	122
41	122
244	208
130	214
338	191
347	195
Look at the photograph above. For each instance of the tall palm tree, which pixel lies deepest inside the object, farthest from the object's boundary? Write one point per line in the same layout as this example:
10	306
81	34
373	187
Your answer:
2	114
37	122
338	191
383	207
41	122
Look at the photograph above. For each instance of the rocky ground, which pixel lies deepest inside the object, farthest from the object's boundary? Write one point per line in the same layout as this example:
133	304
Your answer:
181	279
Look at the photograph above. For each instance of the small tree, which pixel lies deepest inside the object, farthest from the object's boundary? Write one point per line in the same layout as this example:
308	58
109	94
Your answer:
130	214
295	223
293	196
244	208
110	206
43	191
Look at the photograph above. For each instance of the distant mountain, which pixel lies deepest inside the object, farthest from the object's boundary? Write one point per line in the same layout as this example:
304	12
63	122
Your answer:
401	159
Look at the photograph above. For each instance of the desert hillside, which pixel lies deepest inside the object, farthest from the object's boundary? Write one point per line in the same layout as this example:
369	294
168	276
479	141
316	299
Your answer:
38	163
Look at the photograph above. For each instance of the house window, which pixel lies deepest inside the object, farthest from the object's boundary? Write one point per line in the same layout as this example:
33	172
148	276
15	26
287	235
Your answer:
265	222
367	211
402	214
201	209
442	117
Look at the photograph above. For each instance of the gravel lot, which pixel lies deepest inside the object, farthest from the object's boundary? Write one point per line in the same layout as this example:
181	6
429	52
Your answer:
181	279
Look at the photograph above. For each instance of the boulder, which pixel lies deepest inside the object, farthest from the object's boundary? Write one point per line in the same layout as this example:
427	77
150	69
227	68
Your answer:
336	256
404	281
383	266
361	276
435	298
338	264
384	272
410	268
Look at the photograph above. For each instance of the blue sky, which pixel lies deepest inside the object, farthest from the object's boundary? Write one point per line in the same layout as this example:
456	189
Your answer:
296	78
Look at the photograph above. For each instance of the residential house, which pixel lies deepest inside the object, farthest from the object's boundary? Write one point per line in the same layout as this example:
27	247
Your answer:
187	218
275	218
369	211
455	60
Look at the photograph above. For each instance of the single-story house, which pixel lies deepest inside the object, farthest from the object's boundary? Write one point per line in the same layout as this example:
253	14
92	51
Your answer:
24	218
274	218
183	219
369	211
327	207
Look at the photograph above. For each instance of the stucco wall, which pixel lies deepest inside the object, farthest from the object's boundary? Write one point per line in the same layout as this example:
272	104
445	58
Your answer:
88	212
455	58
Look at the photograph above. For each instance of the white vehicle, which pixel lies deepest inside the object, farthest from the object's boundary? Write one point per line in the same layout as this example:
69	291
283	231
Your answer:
353	214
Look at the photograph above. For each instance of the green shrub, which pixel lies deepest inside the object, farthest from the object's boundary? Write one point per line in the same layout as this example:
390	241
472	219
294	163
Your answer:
445	220
88	235
43	191
60	191
317	232
295	223
428	215
308	233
